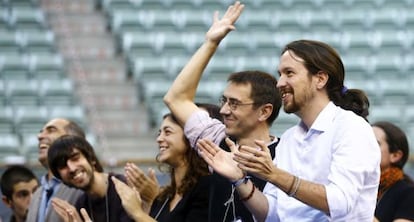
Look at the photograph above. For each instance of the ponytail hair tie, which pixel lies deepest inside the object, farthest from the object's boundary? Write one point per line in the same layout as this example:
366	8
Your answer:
344	90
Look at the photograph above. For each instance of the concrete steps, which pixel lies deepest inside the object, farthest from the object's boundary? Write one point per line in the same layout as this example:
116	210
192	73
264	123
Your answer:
110	98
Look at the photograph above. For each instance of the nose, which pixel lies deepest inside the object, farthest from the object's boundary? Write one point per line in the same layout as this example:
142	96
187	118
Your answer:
40	135
225	109
159	138
281	82
70	165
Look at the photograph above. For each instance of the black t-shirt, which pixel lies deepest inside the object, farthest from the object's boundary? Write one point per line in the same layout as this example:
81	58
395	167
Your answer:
397	202
192	207
105	209
220	192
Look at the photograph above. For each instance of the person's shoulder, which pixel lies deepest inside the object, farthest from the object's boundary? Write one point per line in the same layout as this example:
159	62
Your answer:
117	175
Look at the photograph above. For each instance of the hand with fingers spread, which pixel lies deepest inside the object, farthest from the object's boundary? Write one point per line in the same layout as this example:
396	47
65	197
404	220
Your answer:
255	160
146	185
221	27
66	211
220	160
131	201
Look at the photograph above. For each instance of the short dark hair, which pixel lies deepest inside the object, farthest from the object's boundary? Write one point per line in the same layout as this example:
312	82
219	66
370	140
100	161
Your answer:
13	175
62	148
263	89
318	56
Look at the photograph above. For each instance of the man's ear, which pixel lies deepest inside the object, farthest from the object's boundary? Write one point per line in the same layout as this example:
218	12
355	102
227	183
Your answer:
7	201
322	79
265	111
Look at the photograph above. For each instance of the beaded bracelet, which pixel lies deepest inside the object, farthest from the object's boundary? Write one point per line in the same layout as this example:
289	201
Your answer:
250	194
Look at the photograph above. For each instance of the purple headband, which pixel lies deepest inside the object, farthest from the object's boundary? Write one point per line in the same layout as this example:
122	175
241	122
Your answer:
344	90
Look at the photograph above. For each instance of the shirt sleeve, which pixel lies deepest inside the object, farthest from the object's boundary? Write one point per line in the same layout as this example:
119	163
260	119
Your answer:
353	178
270	191
200	125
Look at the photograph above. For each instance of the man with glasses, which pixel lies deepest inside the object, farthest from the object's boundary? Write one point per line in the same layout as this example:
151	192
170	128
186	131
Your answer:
249	105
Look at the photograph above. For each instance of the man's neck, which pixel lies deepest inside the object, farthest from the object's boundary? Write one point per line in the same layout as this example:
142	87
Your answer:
259	134
100	185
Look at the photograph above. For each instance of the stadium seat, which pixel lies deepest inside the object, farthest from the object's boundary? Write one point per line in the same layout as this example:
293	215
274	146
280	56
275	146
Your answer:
75	113
30	147
47	66
150	68
125	21
37	41
30	119
283	122
193	20
138	43
353	20
9	43
9	145
56	92
219	68
22	92
6	120
27	18
4	19
395	92
14	67
390	113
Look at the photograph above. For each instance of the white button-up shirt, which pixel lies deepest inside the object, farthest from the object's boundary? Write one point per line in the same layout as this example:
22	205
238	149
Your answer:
339	151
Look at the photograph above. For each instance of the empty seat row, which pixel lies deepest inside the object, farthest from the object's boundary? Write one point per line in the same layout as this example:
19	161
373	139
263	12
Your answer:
15	42
30	119
33	92
23	18
28	66
166	68
141	43
292	19
109	5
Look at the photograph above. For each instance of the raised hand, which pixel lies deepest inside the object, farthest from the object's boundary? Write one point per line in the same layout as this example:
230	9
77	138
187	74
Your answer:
131	201
220	160
221	27
146	185
255	160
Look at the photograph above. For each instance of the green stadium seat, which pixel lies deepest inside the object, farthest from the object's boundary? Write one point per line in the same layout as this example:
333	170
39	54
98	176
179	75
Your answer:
390	113
36	41
9	42
47	66
14	67
27	18
10	145
56	92
30	119
22	92
74	113
6	120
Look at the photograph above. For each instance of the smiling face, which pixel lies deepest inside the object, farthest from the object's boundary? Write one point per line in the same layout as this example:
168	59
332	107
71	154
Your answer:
295	83
77	172
21	197
54	129
241	121
173	145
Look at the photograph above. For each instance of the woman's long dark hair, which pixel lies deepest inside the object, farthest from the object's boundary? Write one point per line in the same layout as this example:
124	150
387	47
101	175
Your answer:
197	168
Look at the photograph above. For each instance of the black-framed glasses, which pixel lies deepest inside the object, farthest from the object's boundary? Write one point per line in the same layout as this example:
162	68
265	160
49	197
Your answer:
233	103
